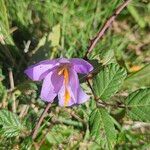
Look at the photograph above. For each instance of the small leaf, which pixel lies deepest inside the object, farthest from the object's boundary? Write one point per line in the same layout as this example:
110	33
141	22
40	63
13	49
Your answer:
54	36
11	125
102	128
138	105
108	81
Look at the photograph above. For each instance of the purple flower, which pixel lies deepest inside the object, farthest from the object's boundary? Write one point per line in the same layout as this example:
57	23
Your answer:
60	78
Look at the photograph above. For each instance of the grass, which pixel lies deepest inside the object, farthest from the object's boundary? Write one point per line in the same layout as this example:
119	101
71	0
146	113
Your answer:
31	31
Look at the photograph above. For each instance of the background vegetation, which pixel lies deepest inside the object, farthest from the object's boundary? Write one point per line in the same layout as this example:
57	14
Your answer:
31	31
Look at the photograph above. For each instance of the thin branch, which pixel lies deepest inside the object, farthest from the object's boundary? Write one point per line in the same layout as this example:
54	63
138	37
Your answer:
12	86
74	115
24	111
13	29
136	125
78	118
90	86
11	79
105	104
35	131
107	24
2	38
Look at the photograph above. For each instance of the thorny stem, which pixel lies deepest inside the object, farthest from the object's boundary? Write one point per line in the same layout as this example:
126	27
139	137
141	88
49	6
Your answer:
93	43
35	131
107	24
90	86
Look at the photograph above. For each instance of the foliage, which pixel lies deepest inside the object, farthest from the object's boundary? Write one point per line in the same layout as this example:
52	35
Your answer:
117	113
102	128
108	81
138	104
11	126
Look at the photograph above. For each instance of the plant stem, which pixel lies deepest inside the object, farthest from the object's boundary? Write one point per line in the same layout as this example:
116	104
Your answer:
11	79
107	24
102	103
90	86
35	131
12	86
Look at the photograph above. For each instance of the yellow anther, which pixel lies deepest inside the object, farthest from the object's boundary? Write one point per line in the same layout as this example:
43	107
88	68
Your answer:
61	71
64	71
66	97
66	76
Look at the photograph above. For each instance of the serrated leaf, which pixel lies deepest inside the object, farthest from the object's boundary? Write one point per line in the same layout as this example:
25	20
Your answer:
138	105
108	81
102	128
11	125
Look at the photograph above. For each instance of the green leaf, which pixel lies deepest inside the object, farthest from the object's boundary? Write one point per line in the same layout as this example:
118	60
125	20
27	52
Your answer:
102	128
1	75
26	143
139	78
54	36
108	81
138	105
11	125
2	91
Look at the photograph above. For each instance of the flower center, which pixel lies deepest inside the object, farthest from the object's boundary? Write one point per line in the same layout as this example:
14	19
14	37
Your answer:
63	70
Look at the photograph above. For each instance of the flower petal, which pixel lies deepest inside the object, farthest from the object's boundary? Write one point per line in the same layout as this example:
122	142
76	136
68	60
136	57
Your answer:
76	94
38	71
51	85
82	96
61	97
63	60
81	66
79	94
